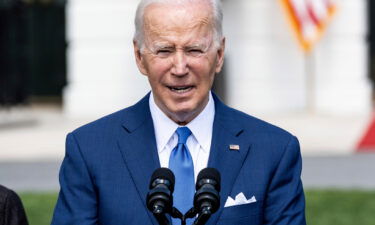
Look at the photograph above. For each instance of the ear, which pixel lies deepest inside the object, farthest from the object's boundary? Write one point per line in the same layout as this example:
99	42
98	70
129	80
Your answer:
220	56
139	58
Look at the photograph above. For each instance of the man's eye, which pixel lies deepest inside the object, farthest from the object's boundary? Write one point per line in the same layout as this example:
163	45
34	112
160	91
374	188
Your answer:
163	52
195	51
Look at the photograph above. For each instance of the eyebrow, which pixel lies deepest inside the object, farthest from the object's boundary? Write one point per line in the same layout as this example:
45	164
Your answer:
200	46
162	46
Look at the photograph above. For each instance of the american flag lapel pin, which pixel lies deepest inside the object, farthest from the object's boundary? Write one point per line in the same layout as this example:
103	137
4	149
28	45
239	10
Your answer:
234	147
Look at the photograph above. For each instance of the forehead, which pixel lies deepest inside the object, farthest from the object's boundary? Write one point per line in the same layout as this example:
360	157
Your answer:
192	20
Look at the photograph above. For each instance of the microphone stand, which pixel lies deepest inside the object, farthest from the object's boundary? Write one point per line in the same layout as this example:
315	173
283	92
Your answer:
163	220
189	214
160	216
202	217
178	215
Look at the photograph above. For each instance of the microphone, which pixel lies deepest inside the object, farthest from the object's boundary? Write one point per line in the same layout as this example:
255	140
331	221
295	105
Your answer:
207	198
159	198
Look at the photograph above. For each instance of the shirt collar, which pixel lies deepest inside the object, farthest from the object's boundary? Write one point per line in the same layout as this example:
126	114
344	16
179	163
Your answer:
200	126
164	127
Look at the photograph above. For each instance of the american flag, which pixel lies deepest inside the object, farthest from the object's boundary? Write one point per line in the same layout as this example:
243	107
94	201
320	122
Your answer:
309	19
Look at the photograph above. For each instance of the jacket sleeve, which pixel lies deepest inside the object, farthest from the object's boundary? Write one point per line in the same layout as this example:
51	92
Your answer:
77	201
285	202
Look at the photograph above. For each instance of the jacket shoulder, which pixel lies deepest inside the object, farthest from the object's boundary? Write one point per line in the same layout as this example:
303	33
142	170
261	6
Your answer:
255	125
103	124
109	124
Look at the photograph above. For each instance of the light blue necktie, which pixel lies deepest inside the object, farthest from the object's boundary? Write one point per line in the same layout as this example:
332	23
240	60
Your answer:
181	163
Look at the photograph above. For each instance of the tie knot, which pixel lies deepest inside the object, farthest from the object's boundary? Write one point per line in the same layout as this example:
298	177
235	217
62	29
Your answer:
183	134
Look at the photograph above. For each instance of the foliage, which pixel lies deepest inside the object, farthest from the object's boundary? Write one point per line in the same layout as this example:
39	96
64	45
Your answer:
39	206
340	207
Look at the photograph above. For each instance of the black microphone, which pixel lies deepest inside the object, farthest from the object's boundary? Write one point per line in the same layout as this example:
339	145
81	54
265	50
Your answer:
207	198
159	198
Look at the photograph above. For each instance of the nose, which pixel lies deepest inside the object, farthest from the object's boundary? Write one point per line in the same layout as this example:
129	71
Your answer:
180	64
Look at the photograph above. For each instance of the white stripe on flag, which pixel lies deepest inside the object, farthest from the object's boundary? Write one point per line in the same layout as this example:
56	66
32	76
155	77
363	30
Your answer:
309	18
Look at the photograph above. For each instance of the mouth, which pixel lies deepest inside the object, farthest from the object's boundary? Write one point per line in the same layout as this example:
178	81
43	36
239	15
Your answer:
180	89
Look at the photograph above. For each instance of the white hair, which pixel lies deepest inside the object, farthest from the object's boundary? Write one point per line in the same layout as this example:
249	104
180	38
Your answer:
217	13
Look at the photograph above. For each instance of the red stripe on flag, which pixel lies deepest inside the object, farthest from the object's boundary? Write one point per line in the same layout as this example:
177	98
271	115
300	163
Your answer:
307	15
367	142
312	14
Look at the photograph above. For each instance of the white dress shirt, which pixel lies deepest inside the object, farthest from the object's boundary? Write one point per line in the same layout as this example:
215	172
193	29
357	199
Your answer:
199	142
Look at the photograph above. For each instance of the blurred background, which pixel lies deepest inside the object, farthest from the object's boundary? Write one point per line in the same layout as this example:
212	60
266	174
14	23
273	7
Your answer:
307	66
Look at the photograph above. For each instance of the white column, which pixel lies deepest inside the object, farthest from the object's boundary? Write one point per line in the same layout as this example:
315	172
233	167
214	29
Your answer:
266	72
342	86
102	74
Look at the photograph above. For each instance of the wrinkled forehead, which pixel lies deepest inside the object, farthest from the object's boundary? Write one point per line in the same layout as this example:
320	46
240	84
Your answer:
162	19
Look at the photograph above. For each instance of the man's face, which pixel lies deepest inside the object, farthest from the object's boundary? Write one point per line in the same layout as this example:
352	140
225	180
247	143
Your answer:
179	57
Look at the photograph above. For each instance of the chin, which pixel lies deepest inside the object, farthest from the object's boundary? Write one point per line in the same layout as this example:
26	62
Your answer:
184	108
185	114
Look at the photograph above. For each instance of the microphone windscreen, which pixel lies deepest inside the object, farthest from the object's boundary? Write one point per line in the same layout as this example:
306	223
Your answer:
163	173
210	173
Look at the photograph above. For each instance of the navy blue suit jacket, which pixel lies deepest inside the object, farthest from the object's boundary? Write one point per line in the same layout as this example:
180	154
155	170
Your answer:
105	174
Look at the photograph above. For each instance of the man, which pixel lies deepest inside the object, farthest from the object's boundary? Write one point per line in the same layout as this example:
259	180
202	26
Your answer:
105	175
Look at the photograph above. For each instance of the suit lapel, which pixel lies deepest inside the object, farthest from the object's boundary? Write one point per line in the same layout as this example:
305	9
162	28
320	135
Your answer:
138	148
226	131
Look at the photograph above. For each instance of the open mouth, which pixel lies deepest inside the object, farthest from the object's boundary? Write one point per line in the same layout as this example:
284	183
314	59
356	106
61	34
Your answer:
181	89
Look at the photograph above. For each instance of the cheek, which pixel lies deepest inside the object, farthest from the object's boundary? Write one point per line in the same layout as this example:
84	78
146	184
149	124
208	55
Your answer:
199	64
158	68
204	70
